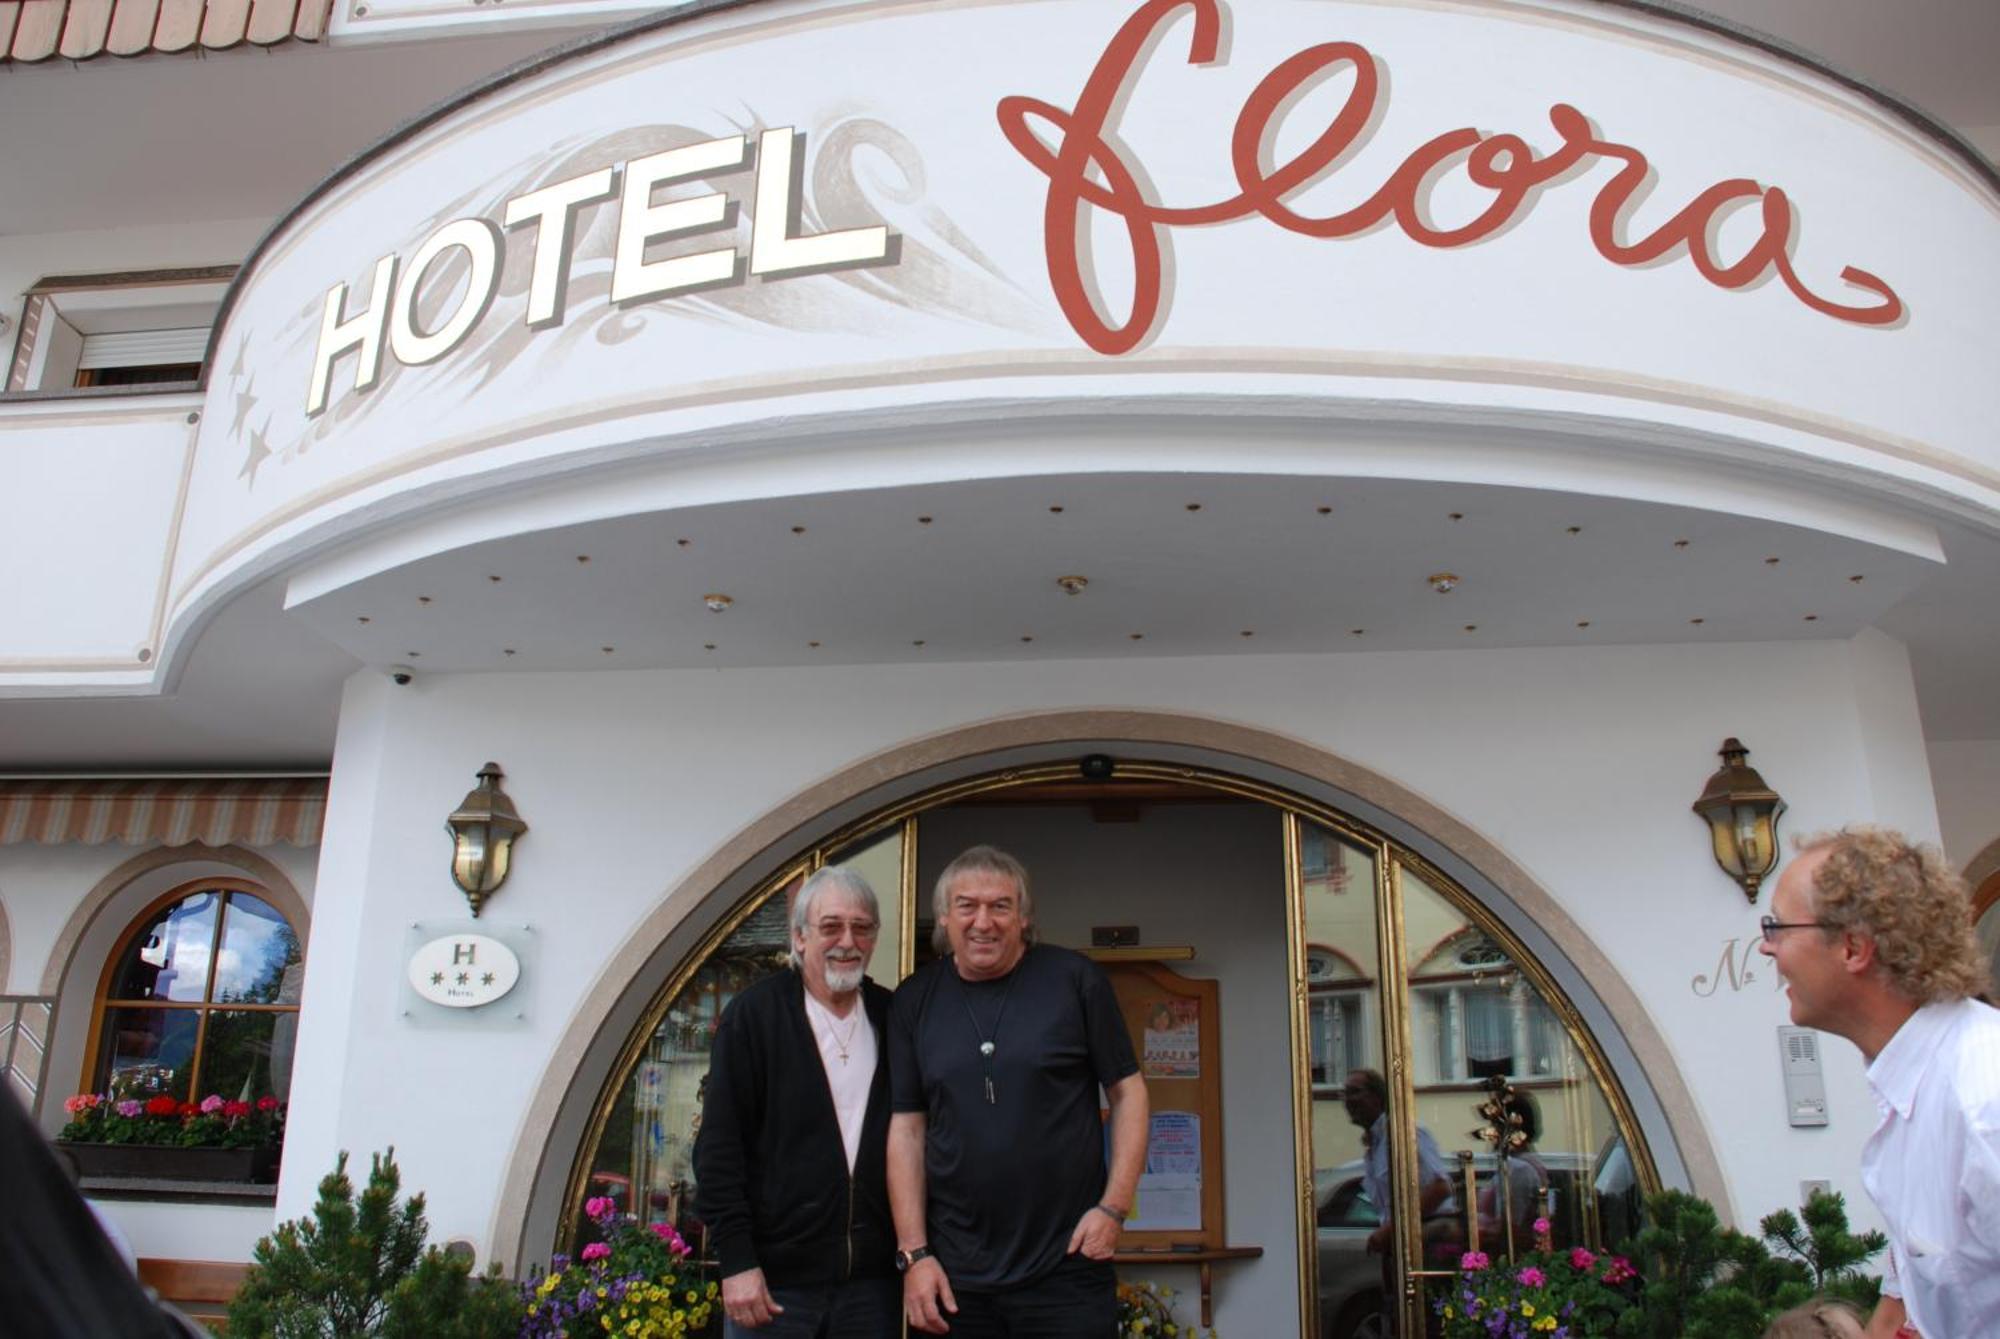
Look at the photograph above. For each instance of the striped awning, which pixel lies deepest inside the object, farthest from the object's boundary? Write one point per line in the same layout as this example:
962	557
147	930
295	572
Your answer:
247	811
35	30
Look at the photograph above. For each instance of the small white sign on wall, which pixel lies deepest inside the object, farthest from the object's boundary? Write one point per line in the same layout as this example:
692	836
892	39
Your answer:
464	971
465	974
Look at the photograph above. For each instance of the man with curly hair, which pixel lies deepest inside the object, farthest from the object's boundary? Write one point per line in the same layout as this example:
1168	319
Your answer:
1873	936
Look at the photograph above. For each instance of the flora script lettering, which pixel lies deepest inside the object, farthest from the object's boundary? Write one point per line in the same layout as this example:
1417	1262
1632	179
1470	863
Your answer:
1086	169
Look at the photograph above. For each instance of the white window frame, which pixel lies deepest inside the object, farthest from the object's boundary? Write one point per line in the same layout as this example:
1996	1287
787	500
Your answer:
79	322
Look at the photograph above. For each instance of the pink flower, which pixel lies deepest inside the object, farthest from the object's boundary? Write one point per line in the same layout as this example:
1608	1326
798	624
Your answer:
1532	1277
665	1232
602	1206
1581	1259
130	1107
1619	1270
236	1110
1473	1261
79	1104
1541	1227
211	1104
597	1250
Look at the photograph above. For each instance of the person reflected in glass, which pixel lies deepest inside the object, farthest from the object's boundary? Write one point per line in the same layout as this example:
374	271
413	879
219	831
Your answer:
1366	1097
1517	1196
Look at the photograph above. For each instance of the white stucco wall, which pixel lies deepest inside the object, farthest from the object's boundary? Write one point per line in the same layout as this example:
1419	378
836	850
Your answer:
1580	764
1967	775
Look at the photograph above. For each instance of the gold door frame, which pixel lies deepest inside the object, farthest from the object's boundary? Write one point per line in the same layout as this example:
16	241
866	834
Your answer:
1390	859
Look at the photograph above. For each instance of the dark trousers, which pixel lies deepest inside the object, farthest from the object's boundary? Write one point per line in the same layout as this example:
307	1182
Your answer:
1077	1300
857	1309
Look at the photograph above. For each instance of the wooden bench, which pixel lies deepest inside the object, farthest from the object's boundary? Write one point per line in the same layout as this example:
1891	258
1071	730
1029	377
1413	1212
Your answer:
201	1288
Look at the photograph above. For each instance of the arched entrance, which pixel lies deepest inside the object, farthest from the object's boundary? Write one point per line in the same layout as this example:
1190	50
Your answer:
1345	937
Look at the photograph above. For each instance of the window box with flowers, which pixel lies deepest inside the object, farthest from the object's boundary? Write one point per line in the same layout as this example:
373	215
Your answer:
216	1139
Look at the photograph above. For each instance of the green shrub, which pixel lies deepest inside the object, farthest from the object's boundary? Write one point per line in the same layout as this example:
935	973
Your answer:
360	1269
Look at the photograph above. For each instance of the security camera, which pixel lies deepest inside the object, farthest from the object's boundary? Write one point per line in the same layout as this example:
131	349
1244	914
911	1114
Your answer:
401	675
1097	766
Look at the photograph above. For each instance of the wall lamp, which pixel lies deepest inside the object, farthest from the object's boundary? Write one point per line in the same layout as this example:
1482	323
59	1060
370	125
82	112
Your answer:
1742	815
483	829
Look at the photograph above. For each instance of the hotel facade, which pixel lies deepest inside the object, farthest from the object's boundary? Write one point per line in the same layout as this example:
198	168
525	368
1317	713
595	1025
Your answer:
1319	481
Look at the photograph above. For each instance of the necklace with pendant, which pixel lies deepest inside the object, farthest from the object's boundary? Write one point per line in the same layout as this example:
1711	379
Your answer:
986	1041
840	1044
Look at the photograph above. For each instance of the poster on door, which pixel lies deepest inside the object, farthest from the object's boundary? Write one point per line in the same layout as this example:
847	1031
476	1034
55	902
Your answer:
1172	1047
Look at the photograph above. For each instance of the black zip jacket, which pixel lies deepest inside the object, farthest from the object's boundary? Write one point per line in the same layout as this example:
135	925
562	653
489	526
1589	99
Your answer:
771	1179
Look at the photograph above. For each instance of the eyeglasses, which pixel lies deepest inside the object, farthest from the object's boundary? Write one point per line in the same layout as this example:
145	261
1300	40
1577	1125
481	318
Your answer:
831	929
1771	925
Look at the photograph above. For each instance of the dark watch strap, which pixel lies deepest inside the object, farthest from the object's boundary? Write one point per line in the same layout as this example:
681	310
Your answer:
904	1259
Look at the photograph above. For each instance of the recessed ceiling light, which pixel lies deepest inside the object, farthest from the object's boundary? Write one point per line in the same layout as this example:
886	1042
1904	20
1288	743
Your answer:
717	602
1072	584
1444	583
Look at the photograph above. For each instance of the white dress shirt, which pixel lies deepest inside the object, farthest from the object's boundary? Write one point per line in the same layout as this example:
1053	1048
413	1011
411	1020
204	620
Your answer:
1375	1167
850	1075
1933	1167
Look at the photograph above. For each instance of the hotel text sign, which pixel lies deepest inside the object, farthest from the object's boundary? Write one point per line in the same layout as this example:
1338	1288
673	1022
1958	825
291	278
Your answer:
1078	152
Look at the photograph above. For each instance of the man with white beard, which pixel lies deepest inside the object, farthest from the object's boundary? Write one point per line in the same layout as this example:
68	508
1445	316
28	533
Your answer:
789	1163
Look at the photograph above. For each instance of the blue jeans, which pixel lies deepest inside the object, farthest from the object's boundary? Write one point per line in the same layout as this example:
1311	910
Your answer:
856	1309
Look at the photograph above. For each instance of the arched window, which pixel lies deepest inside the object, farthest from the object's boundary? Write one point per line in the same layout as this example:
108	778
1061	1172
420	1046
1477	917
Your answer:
202	996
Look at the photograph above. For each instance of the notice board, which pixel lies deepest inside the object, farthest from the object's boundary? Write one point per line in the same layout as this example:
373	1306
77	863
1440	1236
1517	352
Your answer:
1176	1028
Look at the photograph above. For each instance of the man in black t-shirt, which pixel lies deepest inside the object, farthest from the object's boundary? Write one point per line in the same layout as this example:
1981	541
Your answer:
1006	1214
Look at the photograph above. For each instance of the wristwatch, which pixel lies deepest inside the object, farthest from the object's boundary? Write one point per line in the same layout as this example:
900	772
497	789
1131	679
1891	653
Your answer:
904	1259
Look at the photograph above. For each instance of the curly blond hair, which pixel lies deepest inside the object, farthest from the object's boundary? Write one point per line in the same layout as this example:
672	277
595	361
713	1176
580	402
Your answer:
1904	896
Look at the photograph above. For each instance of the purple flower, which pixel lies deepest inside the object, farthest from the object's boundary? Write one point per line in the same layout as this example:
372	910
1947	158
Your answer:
130	1107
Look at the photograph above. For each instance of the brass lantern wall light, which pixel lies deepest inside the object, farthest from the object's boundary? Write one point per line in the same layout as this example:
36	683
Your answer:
483	830
1742	814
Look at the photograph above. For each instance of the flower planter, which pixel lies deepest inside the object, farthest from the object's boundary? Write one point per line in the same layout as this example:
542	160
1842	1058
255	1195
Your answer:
170	1162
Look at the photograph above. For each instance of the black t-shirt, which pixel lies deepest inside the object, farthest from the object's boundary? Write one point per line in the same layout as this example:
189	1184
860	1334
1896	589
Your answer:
1007	1180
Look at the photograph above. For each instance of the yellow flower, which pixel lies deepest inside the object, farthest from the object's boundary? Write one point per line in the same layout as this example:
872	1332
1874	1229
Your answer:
1527	1308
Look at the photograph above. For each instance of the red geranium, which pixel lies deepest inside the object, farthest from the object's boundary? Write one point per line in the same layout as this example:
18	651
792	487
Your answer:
267	1103
162	1106
235	1110
187	1109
